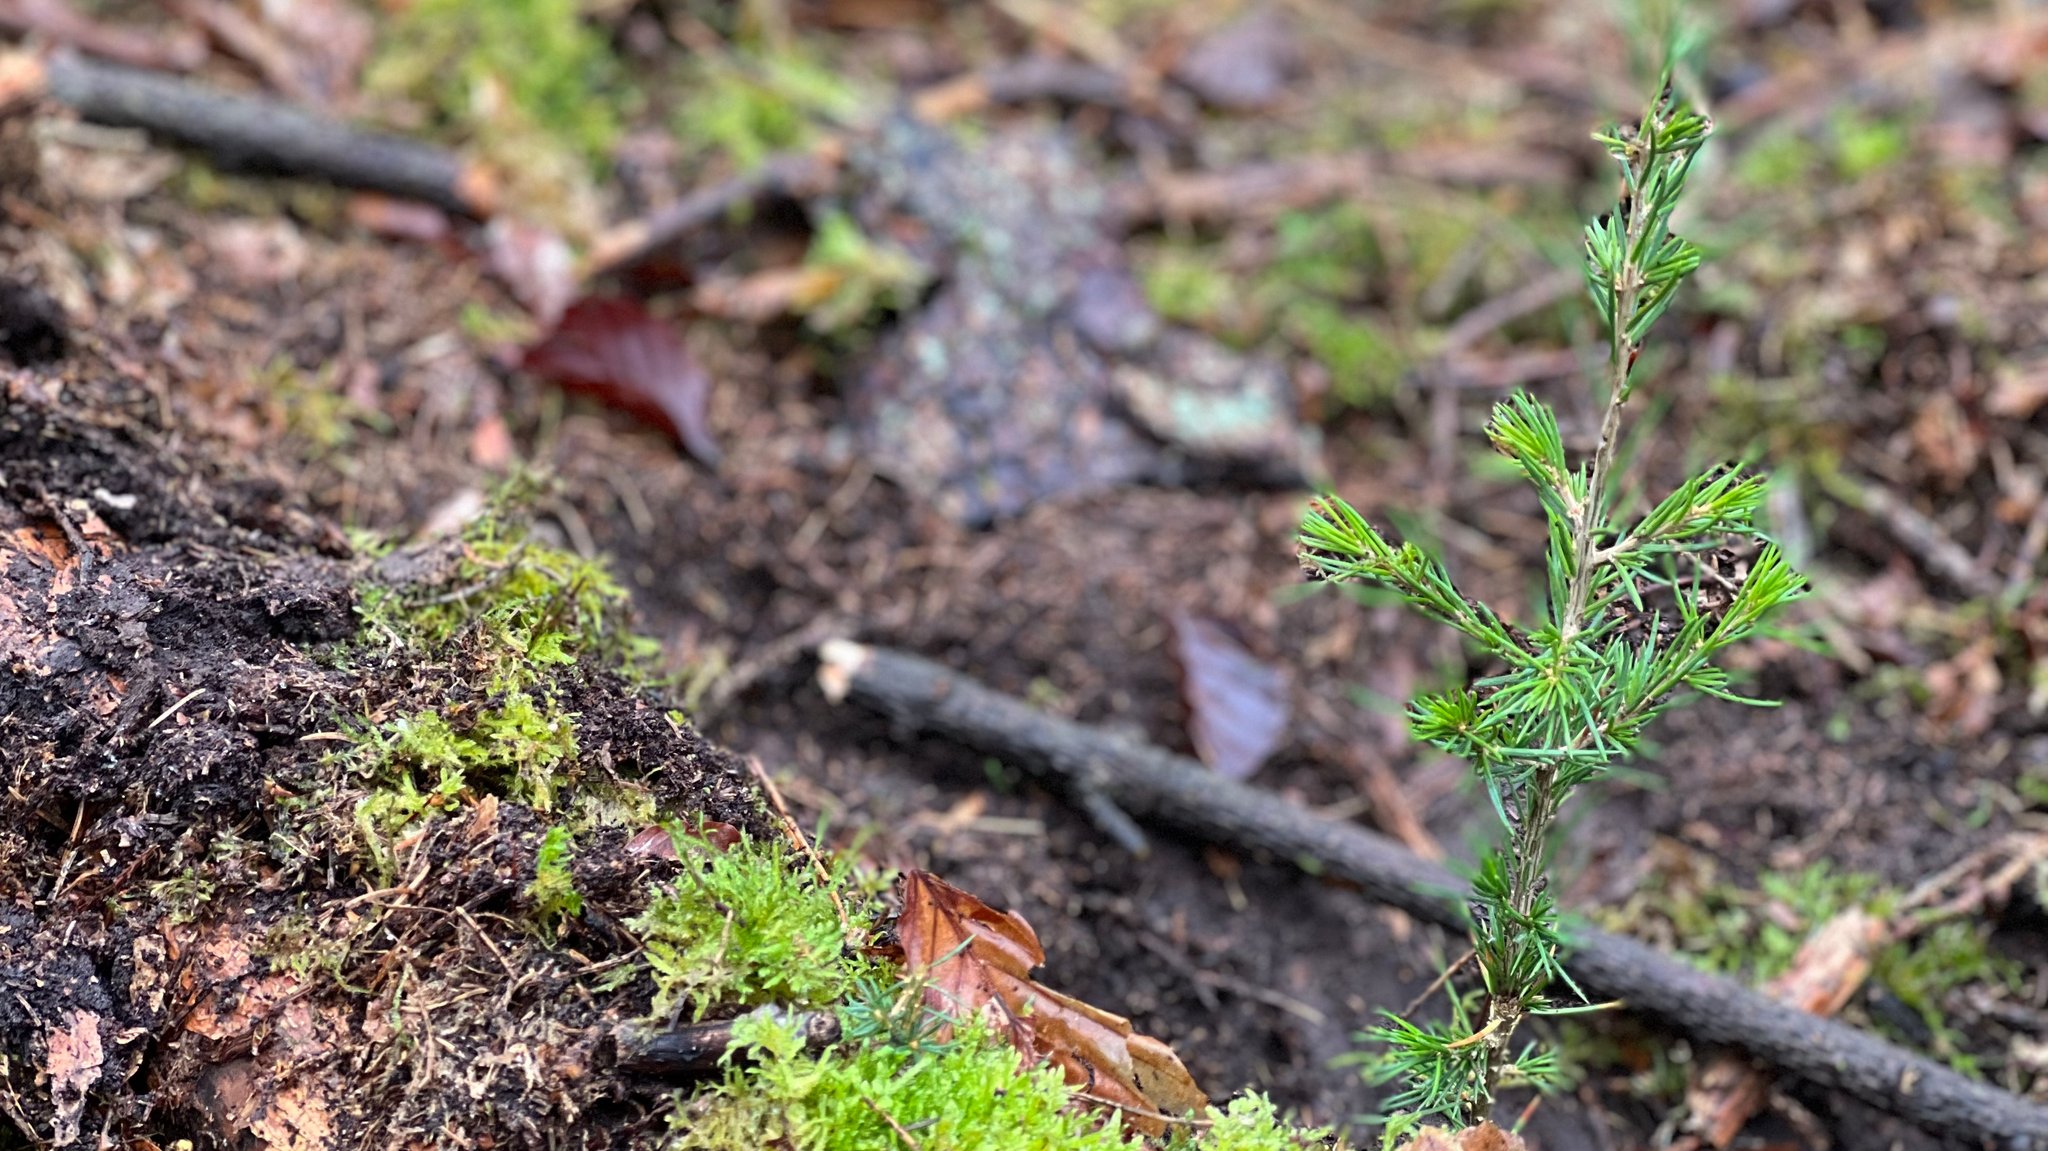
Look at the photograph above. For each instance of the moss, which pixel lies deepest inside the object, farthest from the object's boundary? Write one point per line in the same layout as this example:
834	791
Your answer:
534	59
744	927
527	85
746	106
858	276
521	606
1252	1123
1364	361
1857	143
511	617
1864	144
298	945
552	891
184	895
969	1097
1187	285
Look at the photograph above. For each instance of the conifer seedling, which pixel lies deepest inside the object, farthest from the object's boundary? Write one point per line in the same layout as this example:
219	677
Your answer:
1638	610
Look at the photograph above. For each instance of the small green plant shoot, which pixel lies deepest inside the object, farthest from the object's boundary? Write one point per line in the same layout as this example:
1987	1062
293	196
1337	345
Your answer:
1637	612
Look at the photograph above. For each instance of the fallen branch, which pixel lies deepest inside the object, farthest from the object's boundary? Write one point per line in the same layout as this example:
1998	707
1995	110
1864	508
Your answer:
921	695
1916	532
794	174
250	132
692	1049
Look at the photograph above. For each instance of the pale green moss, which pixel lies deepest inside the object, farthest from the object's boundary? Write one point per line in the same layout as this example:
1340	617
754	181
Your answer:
744	926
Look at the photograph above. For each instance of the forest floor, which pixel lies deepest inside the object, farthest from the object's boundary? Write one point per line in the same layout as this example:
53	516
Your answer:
1340	233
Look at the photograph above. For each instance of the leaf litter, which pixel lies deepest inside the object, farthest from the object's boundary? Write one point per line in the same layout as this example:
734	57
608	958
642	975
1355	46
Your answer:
977	960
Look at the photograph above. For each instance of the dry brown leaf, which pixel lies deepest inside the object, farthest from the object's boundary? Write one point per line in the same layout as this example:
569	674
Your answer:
765	295
1963	690
1946	439
978	959
2018	390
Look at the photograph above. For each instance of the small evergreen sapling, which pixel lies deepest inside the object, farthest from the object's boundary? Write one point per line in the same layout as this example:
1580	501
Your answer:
1637	614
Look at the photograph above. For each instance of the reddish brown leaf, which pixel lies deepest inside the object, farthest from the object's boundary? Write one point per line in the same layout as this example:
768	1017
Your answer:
656	843
1237	705
612	349
978	960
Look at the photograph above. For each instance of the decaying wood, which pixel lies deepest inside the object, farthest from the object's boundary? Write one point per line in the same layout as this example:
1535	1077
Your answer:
921	695
249	132
694	1049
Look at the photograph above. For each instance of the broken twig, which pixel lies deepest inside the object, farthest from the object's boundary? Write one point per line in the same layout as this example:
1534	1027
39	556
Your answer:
787	174
248	132
921	695
694	1049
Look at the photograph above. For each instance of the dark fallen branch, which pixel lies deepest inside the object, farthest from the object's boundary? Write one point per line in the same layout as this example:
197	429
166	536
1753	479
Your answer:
253	133
689	1050
922	695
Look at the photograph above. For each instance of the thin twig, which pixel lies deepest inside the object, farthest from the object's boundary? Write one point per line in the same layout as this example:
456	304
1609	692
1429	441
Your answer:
788	174
1436	984
804	847
169	48
1918	534
253	132
909	1140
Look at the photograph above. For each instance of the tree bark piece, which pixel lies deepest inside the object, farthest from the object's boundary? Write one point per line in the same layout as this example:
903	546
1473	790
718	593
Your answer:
693	1050
250	132
922	695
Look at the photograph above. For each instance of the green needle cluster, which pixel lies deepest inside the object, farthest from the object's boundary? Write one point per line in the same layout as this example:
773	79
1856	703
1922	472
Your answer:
1638	611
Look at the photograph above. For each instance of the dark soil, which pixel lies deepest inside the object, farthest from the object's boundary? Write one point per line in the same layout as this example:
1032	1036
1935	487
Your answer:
181	644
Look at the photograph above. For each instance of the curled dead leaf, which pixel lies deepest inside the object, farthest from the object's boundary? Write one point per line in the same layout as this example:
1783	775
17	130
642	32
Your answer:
656	842
977	960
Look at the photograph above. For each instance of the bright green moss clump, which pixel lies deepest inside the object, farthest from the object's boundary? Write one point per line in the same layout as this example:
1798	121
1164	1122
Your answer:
744	926
509	615
970	1096
536	60
1252	1123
